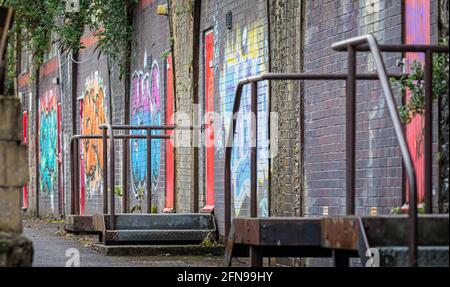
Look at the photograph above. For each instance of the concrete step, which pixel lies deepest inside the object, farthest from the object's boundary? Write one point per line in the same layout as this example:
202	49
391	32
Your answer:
428	256
163	221
150	236
191	228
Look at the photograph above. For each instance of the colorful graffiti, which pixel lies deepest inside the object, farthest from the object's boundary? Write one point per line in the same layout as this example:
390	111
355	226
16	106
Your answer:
48	145
93	114
145	110
245	55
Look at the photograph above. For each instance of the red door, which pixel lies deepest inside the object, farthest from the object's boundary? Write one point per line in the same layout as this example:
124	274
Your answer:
24	141
170	174
417	31
209	129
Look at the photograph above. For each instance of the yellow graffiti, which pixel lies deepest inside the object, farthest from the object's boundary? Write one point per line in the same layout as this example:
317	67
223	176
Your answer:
94	115
244	44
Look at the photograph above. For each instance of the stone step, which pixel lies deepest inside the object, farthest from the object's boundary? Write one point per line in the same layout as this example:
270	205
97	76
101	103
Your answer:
163	221
428	256
157	236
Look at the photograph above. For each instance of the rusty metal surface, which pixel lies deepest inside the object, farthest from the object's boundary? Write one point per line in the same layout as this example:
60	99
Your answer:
345	232
290	231
340	232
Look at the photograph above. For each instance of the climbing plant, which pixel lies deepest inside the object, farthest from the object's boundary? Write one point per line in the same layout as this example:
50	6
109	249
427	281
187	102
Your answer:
414	83
36	20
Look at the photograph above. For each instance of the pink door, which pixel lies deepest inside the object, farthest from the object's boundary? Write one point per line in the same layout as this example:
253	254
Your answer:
209	129
417	31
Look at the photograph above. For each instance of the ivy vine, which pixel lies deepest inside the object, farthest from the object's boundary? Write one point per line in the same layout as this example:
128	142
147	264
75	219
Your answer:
414	84
35	22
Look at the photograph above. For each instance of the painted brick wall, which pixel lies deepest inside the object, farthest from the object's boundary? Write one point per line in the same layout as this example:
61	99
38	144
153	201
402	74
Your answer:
47	133
239	52
92	109
147	98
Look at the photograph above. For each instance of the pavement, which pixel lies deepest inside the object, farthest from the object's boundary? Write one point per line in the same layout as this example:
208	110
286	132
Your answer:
53	247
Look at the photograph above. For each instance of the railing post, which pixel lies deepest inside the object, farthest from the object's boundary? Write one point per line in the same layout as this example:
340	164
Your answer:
112	181
125	175
73	177
77	177
350	115
105	170
254	154
428	148
149	171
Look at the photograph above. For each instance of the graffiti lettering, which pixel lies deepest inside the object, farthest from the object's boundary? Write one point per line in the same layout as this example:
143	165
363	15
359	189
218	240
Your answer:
245	55
48	141
145	110
94	115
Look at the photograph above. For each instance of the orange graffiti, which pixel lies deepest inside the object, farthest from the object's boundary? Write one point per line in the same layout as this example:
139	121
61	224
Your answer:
94	115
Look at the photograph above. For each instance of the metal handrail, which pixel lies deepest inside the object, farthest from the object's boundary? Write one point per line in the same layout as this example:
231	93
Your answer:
74	161
108	133
393	112
352	45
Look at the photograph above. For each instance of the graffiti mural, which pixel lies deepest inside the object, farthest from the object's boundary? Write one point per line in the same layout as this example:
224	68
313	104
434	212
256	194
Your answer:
93	114
145	110
245	55
48	145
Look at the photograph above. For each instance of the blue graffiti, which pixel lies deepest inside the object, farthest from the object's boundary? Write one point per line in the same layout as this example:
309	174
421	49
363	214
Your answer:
48	140
145	110
244	58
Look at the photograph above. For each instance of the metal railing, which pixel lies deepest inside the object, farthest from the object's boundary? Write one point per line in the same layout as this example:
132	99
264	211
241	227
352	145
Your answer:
351	46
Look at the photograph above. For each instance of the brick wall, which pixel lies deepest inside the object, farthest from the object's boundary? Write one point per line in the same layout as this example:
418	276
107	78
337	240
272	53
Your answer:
286	57
49	178
183	56
238	52
92	97
148	81
286	40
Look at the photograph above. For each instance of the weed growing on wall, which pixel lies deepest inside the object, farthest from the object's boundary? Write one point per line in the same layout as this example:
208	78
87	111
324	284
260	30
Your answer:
414	84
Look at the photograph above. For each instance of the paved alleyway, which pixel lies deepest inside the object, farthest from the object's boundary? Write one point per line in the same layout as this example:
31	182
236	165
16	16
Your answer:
50	244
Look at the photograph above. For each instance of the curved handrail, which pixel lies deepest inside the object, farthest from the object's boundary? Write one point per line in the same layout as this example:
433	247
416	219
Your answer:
383	77
393	112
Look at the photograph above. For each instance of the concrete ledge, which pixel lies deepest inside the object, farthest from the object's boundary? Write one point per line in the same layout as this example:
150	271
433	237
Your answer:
79	224
158	250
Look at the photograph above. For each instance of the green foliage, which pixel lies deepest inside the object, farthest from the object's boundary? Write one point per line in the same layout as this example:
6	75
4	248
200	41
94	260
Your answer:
140	195
36	20
154	208
118	191
414	83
